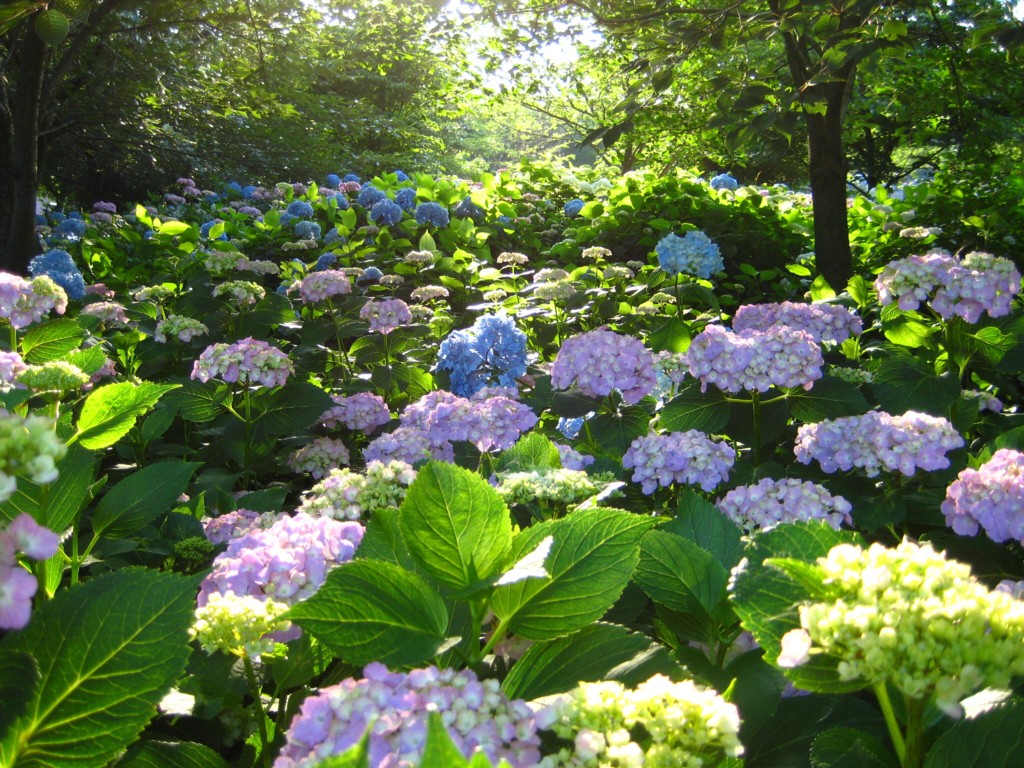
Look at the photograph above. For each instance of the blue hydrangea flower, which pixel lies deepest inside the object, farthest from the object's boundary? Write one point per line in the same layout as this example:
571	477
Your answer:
249	190
401	175
339	198
40	220
432	213
693	254
233	186
70	229
75	215
56	217
386	212
573	207
369	196
406	198
570	427
286	219
61	268
204	230
505	222
467	209
211	198
351	177
490	354
370	275
333	236
724	181
300	209
326	260
309	230
333	180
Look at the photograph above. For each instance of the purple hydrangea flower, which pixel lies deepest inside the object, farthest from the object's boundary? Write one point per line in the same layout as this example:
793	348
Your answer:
600	361
318	286
247	361
409	444
476	713
769	502
825	322
754	360
875	441
689	457
490	423
363	411
990	497
23	302
386	315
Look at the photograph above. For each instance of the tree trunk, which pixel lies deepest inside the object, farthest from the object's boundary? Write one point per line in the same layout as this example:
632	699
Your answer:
832	253
21	149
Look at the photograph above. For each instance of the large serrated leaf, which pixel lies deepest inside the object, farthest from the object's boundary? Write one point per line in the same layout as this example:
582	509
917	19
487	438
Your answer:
199	402
592	557
107	652
996	736
533	451
693	409
163	754
370	610
110	411
455	524
700	521
51	341
828	399
141	498
766	599
18	679
290	409
677	573
904	383
850	748
598	652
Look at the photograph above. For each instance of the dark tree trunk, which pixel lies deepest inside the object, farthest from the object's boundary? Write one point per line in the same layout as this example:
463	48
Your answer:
21	150
832	253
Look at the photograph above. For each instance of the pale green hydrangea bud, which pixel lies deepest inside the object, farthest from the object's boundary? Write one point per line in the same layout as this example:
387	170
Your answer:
563	486
238	625
910	617
29	447
681	726
58	376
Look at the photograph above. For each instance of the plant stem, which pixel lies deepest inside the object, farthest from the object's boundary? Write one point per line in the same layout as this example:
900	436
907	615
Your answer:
755	401
914	755
499	633
882	694
254	687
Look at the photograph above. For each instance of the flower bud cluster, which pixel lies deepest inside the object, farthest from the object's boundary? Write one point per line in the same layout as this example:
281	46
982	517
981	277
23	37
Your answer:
221	262
108	312
318	286
563	486
689	457
23	302
600	361
912	618
490	353
386	315
429	293
286	562
347	495
990	497
754	360
247	361
184	328
18	585
363	411
824	322
154	293
875	441
318	457
242	625
259	266
692	254
244	292
968	287
661	723
770	502
56	376
477	715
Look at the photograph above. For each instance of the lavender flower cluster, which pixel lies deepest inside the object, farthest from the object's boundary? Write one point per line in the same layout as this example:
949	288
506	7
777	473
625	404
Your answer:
409	444
318	286
184	328
968	287
364	411
824	322
17	584
478	716
875	441
490	423
600	361
23	302
247	361
235	524
769	502
385	315
689	457
692	254
11	366
245	292
754	360
990	497
490	353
